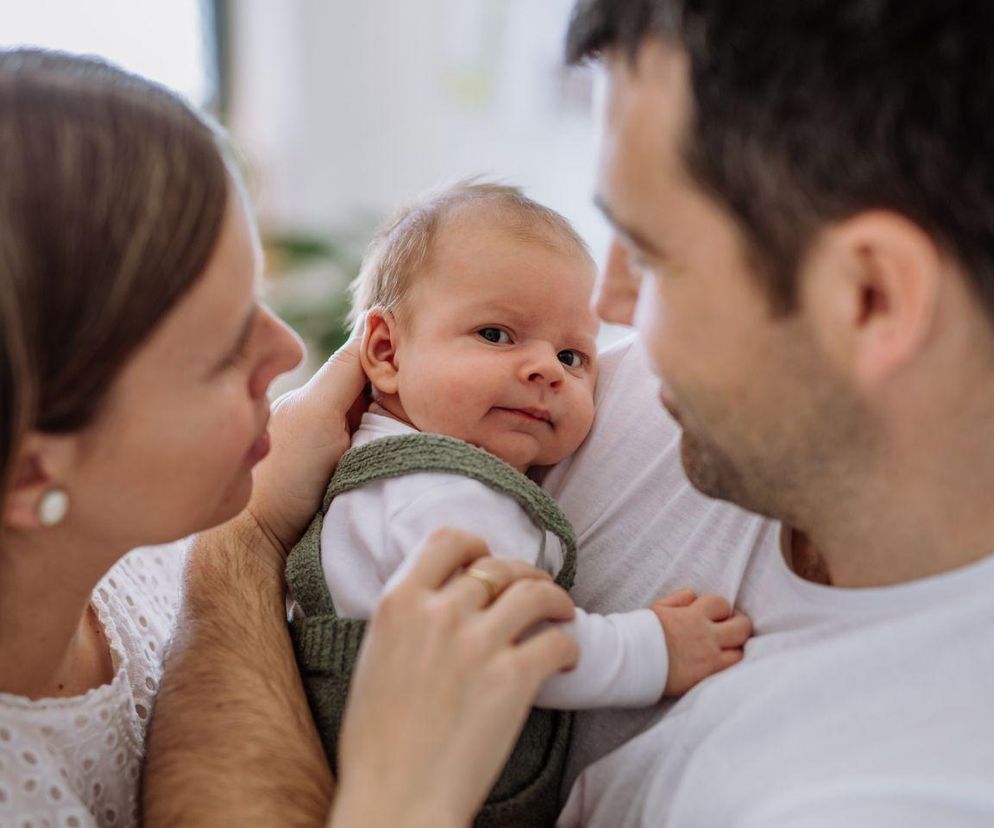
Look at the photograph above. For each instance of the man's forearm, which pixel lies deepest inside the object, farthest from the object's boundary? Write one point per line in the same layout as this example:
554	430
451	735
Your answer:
232	741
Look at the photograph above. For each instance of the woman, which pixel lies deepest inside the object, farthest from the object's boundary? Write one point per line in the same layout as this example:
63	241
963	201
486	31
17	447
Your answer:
133	376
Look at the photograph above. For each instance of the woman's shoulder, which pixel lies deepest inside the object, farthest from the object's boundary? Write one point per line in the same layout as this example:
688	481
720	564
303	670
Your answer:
150	576
137	602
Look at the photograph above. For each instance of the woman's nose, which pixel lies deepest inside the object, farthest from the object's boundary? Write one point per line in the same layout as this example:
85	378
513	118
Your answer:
282	351
617	289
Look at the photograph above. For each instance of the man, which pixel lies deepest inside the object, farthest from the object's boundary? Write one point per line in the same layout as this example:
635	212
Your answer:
801	196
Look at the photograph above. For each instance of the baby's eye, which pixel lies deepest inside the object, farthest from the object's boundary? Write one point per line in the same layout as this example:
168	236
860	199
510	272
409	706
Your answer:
495	335
570	358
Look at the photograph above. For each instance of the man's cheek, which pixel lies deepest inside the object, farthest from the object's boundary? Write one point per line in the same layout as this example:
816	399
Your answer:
651	322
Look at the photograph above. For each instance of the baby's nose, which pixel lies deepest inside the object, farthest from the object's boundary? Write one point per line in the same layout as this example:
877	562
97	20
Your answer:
545	367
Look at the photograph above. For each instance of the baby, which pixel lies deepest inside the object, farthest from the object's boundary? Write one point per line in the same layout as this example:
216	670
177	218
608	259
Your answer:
478	326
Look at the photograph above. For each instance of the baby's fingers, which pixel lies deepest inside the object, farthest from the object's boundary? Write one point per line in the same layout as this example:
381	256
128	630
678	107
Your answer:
680	598
728	658
735	631
714	607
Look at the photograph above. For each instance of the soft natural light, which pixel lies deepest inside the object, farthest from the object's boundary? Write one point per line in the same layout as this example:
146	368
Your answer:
161	39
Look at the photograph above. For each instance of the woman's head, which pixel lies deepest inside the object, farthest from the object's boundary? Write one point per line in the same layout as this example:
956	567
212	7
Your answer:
126	257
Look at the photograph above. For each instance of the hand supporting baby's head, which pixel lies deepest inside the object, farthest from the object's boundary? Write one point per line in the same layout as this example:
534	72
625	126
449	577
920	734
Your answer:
479	324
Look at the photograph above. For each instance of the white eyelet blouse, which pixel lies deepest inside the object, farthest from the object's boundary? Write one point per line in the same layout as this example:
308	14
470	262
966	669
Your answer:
76	762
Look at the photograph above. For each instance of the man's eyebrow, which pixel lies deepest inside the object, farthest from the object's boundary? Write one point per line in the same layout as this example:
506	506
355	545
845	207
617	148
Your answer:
630	233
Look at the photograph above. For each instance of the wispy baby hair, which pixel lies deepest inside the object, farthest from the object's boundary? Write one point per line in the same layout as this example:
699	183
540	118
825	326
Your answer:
401	248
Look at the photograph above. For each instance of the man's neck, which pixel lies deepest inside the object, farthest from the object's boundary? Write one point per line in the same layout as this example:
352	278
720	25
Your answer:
803	558
925	512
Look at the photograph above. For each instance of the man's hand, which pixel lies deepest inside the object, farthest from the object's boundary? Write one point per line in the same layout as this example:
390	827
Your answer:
232	741
703	635
310	429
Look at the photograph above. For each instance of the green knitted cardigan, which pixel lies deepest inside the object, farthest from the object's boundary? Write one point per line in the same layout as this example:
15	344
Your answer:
326	646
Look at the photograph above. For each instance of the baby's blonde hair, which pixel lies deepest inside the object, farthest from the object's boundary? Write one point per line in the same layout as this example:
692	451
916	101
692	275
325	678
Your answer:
402	246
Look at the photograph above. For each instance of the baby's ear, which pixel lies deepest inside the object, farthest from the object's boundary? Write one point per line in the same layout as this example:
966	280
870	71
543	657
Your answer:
378	353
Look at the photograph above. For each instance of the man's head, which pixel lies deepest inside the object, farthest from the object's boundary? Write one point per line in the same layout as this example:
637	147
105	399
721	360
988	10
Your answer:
807	191
804	113
478	322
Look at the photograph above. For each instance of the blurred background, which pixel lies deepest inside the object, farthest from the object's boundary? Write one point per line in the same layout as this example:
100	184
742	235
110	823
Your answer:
341	110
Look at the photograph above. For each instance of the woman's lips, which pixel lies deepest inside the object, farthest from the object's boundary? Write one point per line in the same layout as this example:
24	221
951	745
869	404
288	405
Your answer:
259	449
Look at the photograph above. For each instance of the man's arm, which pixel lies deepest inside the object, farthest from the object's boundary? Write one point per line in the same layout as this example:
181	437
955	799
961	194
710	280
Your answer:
232	741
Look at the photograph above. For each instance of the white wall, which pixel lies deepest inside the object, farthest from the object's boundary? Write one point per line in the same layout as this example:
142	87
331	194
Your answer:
161	40
347	107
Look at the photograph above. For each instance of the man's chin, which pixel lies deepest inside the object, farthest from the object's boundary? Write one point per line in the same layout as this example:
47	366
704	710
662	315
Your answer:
702	470
713	475
671	409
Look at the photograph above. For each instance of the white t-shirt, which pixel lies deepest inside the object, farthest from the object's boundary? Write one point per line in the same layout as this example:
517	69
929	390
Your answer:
76	762
642	529
852	707
372	534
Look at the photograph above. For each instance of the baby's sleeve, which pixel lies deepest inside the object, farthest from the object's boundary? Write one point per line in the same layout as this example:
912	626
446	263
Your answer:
466	504
623	660
623	663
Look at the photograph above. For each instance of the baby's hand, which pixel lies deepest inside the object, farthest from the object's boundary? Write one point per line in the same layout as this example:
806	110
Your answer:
703	635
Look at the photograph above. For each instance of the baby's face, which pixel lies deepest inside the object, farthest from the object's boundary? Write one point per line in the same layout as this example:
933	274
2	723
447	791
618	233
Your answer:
497	345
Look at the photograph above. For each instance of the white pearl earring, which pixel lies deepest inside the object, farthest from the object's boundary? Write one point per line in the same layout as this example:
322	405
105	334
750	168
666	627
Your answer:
53	507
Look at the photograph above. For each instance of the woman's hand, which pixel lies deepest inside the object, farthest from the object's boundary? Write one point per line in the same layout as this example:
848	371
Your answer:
310	429
444	684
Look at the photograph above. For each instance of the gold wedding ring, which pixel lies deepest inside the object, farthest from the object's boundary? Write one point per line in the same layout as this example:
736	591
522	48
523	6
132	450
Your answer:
485	578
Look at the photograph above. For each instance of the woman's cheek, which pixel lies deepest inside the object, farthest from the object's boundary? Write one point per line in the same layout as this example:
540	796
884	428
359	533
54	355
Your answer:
236	428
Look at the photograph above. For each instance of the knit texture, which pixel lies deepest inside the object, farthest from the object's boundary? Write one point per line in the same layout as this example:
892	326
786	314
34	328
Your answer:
326	646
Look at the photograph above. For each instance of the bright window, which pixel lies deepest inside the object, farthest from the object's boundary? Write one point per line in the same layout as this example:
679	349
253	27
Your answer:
166	40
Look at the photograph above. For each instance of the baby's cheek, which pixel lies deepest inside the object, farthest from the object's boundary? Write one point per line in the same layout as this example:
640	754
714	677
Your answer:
411	391
439	408
583	419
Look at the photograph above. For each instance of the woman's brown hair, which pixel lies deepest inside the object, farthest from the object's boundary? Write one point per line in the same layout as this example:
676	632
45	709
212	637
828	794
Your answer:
112	195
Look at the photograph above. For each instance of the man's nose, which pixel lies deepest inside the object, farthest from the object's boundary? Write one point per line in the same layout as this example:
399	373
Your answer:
617	290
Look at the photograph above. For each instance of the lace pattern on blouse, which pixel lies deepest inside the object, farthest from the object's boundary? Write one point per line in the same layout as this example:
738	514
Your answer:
76	762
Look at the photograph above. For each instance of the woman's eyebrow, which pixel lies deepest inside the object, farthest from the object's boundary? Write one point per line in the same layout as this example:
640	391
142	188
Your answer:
243	335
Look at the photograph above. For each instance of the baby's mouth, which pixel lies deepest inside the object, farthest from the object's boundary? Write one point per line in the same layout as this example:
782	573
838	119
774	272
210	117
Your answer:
536	414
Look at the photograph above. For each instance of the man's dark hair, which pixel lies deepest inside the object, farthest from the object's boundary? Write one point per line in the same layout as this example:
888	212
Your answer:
809	111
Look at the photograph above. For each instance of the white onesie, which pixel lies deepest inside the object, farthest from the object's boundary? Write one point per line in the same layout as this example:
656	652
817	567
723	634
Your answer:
371	534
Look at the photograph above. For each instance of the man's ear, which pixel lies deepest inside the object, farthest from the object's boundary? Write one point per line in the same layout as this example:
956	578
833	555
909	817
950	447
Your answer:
872	284
41	464
378	353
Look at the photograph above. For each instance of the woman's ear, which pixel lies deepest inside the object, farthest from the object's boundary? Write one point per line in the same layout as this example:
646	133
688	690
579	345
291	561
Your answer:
40	467
378	353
